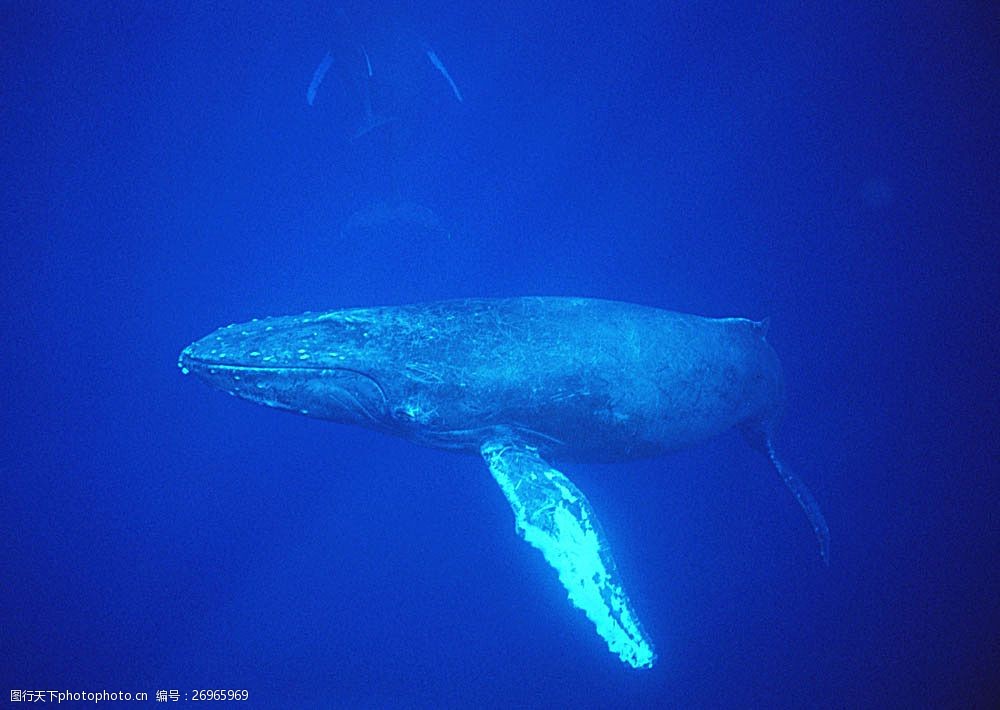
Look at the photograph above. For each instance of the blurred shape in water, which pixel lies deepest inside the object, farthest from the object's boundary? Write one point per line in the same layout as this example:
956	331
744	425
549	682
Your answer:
394	219
317	78
432	55
386	70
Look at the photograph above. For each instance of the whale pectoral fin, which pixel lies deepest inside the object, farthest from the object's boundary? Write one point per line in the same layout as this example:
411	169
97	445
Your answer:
555	517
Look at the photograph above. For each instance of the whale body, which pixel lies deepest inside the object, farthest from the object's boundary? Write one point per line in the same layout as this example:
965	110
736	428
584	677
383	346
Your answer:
522	382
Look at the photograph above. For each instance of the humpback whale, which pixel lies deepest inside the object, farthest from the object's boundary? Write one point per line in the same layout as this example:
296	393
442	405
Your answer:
524	382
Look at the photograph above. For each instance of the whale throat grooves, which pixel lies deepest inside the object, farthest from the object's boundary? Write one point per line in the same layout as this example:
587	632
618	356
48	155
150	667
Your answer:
553	516
522	381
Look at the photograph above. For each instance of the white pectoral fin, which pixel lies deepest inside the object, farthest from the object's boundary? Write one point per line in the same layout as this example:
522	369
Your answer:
555	517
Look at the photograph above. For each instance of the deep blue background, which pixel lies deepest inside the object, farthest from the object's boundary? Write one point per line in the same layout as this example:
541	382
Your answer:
162	175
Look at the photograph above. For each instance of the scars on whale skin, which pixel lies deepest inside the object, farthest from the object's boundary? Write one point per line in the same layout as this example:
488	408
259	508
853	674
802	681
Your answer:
523	382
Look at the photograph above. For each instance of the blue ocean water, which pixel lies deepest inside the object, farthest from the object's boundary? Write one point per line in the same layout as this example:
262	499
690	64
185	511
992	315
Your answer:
163	174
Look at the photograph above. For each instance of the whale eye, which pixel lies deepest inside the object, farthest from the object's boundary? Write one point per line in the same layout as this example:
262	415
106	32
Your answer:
410	411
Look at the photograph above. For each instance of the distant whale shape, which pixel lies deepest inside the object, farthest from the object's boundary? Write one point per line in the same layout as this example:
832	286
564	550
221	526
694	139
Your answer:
390	82
522	381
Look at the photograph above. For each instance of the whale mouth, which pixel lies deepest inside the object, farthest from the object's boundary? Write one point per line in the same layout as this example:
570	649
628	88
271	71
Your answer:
192	364
195	365
324	391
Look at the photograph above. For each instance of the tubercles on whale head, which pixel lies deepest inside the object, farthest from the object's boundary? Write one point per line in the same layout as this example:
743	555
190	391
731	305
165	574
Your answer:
295	364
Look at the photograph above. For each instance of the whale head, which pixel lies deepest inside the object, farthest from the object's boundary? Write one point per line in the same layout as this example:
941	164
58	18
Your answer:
307	364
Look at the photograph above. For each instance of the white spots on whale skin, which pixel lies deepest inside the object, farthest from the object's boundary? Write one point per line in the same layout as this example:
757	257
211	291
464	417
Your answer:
186	353
254	353
304	356
554	516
